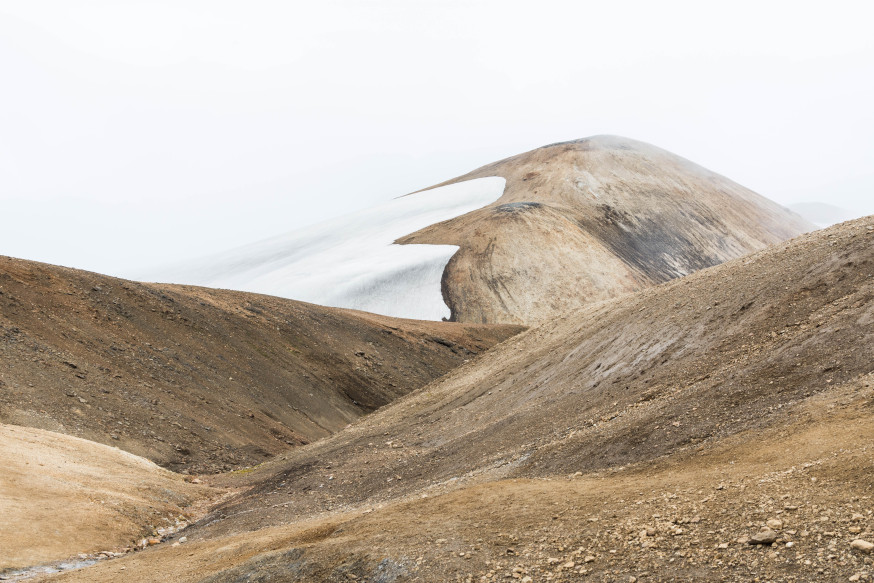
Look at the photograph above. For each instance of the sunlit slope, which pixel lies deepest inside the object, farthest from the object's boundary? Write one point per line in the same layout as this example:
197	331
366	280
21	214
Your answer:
61	496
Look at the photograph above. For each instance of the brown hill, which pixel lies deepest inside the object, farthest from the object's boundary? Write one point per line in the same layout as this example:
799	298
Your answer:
643	437
591	219
203	380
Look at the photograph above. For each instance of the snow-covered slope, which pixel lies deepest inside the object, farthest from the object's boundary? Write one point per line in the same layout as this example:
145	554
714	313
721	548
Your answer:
352	261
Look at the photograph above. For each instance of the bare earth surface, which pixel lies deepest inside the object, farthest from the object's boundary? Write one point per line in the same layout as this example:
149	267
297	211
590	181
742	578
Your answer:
645	438
202	380
61	496
591	219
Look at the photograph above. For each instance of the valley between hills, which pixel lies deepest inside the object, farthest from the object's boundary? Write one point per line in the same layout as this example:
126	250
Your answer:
684	394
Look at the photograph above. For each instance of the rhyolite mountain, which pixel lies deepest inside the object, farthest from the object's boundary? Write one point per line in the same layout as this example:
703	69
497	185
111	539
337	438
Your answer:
591	219
516	241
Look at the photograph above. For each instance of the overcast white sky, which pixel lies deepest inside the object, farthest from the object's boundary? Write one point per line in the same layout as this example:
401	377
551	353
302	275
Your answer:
137	133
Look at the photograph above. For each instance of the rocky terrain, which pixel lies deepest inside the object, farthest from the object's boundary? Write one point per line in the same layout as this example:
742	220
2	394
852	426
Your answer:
634	215
350	261
713	428
203	380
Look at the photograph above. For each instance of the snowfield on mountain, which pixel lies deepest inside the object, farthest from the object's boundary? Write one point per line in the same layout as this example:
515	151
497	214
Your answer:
353	261
516	241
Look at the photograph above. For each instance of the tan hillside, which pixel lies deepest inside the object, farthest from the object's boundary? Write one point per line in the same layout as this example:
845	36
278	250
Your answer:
646	437
591	219
203	380
61	496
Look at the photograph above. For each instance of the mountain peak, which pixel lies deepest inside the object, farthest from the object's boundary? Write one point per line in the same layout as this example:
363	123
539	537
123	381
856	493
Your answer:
518	240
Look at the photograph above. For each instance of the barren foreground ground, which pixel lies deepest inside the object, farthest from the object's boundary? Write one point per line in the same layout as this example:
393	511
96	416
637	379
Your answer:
687	517
647	438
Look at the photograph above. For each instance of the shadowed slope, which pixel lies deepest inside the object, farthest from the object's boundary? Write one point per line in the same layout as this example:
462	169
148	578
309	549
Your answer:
198	379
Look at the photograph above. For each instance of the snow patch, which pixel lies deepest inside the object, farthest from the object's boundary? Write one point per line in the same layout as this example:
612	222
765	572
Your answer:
352	261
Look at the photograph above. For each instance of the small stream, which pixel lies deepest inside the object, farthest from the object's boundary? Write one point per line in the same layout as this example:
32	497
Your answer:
47	569
165	534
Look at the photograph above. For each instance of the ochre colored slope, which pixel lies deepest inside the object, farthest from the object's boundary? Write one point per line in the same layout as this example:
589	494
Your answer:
61	496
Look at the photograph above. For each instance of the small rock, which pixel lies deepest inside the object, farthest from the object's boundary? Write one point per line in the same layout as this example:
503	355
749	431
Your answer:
722	546
589	559
775	524
855	577
765	537
154	541
857	517
527	579
569	565
862	545
183	539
